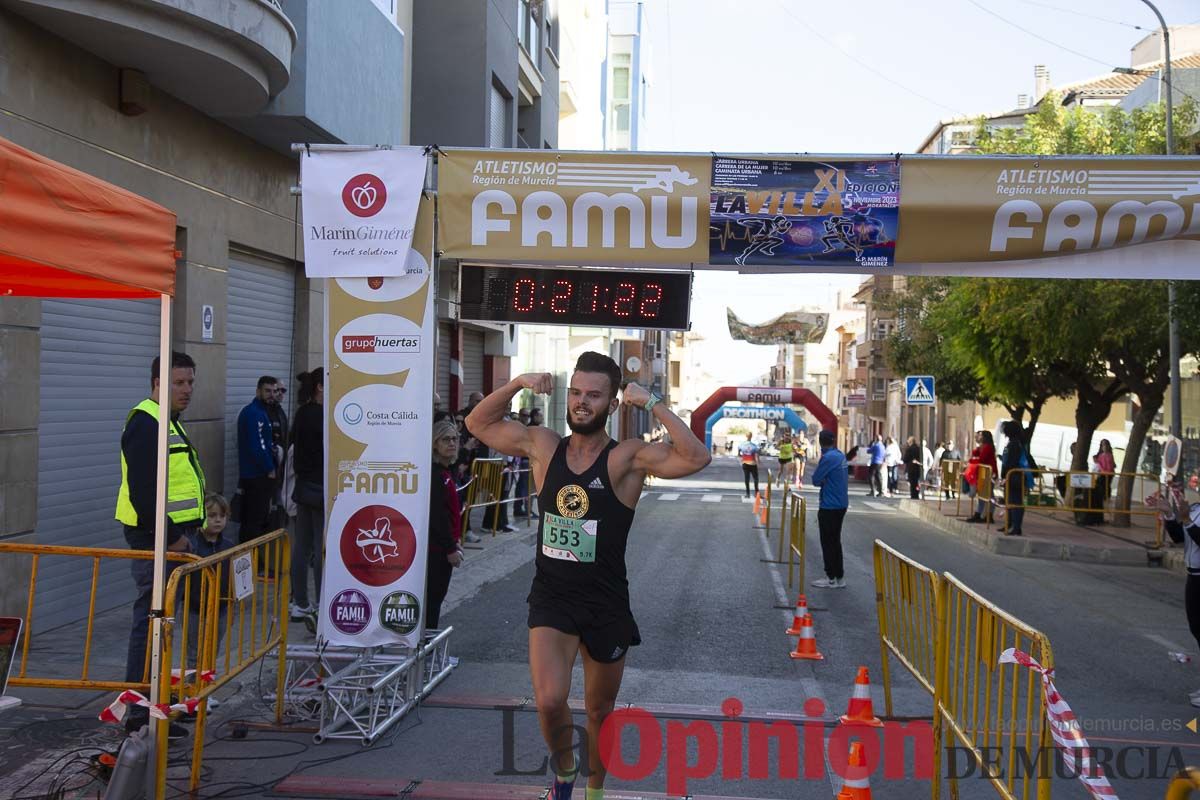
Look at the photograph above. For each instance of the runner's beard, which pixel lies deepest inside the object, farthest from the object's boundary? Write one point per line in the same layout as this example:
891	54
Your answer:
596	423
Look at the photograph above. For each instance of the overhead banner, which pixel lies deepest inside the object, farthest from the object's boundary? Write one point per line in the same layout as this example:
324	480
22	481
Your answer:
360	207
785	212
994	209
379	338
794	327
573	208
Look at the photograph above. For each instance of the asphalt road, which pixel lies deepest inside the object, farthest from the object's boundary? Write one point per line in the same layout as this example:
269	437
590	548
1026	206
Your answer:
708	603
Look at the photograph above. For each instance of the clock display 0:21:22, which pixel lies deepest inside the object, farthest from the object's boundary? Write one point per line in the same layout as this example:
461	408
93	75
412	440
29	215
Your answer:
627	298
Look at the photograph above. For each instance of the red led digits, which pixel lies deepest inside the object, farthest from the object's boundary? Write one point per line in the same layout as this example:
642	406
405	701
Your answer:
652	295
591	298
560	302
623	302
523	295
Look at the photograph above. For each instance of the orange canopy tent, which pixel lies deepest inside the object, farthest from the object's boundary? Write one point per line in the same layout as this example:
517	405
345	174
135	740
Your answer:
64	233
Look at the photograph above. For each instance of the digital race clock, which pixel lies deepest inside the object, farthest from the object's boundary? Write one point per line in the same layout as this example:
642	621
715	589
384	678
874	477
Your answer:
607	298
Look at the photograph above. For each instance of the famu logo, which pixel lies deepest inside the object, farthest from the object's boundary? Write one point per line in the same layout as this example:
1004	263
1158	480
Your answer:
400	612
572	501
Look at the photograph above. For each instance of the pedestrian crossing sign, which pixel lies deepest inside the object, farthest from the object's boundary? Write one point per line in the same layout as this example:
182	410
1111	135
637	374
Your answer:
918	390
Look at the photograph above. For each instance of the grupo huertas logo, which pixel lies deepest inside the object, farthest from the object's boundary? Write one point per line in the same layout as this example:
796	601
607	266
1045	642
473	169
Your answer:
399	344
388	289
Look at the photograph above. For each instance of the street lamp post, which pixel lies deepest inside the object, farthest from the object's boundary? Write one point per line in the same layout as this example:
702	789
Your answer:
1172	317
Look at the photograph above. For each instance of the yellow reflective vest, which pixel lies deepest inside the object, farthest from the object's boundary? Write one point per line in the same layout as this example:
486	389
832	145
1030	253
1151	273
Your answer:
185	477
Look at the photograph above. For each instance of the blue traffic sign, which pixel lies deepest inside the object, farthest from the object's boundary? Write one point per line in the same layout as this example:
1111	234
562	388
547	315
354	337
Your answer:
919	391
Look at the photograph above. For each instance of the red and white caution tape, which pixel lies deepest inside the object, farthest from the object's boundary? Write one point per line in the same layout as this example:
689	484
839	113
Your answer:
118	708
1065	728
178	676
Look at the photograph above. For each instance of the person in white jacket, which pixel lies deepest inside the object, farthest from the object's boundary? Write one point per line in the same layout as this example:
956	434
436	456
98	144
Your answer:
891	459
928	475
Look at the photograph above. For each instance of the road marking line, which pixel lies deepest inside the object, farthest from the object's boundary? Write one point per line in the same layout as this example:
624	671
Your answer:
1167	643
669	496
711	498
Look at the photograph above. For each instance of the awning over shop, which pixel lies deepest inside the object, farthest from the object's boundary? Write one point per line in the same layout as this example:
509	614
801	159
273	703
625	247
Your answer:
64	233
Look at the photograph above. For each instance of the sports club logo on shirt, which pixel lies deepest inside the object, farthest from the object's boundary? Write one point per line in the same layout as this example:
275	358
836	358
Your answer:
572	501
378	545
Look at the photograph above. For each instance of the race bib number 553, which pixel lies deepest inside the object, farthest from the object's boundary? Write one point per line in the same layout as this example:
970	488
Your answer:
569	539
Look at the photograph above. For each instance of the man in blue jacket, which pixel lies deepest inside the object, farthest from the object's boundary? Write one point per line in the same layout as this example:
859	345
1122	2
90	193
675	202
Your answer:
833	479
256	461
878	453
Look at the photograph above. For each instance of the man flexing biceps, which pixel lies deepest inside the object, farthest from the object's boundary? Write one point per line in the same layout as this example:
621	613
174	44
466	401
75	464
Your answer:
588	486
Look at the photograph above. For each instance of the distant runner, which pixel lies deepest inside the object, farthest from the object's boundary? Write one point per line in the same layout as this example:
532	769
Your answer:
785	461
748	452
588	487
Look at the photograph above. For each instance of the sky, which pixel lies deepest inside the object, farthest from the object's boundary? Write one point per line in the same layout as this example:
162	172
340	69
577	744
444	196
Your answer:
868	77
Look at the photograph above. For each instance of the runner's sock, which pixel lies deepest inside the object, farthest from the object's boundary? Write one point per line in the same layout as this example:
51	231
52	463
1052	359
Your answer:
594	794
569	775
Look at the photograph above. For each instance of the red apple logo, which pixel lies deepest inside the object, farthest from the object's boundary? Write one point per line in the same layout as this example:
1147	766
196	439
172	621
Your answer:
364	195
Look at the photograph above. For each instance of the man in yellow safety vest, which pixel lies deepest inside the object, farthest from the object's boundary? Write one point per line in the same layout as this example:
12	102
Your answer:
136	499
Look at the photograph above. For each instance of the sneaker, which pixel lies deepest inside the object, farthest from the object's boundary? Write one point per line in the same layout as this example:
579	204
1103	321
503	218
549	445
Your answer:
213	704
508	529
298	613
561	790
829	583
472	538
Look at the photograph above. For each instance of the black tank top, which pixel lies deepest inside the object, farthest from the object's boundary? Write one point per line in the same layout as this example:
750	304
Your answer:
582	533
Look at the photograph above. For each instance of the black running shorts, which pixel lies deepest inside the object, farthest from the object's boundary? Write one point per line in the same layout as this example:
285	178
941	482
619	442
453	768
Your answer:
606	642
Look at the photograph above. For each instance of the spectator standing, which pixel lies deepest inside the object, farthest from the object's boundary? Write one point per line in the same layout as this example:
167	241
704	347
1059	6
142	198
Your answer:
257	466
984	455
933	468
748	452
308	457
137	497
277	517
207	541
1104	463
878	452
833	480
1015	485
445	522
892	459
913	460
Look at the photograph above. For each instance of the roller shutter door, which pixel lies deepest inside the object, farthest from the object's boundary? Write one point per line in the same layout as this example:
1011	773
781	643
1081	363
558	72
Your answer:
445	334
261	311
472	362
95	364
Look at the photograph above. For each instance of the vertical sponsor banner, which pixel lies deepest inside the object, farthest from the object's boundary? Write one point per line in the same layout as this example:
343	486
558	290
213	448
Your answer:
573	208
359	210
784	212
991	209
379	378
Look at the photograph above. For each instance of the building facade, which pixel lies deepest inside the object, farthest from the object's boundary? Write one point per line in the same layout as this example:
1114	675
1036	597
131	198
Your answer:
196	110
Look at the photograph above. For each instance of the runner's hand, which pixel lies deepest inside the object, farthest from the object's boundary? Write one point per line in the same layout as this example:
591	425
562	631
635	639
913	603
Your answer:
537	382
635	395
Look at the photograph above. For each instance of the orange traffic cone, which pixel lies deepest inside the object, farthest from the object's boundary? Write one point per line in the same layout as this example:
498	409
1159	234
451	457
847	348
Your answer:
757	503
801	613
857	785
860	710
806	646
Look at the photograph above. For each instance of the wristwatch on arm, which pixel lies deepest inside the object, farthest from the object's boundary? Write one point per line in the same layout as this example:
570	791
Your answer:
652	402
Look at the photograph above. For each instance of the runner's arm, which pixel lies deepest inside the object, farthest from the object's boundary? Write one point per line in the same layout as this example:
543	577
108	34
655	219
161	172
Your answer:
684	456
488	424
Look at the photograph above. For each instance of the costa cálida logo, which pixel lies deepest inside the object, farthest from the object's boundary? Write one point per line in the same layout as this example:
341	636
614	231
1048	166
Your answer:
378	545
364	195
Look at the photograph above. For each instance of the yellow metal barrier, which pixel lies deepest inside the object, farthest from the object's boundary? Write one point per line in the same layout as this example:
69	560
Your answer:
203	594
906	600
985	704
37	552
1183	784
797	538
951	482
485	489
1080	492
766	518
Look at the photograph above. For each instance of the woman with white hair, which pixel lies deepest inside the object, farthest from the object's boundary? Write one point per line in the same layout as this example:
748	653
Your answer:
445	522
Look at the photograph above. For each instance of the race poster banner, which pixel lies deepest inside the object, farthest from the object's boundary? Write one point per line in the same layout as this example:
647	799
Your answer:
783	212
573	208
379	340
359	210
997	209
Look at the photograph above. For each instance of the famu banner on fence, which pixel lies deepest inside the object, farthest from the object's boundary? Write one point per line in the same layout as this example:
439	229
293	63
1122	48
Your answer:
359	210
782	211
379	339
573	208
962	209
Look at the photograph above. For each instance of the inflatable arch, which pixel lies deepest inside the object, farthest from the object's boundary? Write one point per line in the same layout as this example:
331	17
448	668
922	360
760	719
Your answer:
774	413
796	396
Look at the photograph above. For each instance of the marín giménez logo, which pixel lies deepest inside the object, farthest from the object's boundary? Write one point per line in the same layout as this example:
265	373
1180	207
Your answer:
364	195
